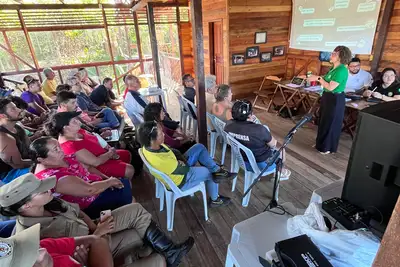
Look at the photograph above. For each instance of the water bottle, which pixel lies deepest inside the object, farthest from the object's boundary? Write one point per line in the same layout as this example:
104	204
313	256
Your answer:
309	73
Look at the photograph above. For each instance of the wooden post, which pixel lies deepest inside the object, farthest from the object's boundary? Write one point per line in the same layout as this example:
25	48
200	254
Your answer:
198	49
382	34
153	40
139	45
178	21
29	41
61	78
110	48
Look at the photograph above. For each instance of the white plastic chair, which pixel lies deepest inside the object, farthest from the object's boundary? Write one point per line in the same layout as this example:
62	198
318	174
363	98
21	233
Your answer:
238	162
192	110
219	126
172	195
213	134
184	113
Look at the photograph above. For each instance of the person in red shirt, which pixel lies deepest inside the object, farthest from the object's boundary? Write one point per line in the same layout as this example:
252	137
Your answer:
89	188
25	250
86	147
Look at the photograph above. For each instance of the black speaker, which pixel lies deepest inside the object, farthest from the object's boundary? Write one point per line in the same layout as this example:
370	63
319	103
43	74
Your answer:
373	172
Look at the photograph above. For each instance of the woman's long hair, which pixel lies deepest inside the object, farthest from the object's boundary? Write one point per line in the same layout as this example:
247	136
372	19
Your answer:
55	205
38	149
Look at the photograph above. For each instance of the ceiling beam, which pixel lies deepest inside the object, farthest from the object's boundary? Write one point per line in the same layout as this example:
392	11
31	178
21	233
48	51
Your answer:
139	5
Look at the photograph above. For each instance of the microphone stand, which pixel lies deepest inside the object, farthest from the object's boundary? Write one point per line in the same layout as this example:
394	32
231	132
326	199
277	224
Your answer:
276	158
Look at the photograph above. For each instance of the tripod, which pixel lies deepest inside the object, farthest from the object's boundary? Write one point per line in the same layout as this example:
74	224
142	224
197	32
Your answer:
276	158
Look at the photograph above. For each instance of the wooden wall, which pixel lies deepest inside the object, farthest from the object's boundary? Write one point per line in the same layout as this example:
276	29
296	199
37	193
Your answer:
245	19
391	52
215	10
187	47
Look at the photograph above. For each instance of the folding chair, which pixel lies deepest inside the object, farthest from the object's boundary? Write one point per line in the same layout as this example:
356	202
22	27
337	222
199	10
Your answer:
265	95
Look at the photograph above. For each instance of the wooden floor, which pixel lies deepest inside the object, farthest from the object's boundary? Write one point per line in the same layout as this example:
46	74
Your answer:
310	170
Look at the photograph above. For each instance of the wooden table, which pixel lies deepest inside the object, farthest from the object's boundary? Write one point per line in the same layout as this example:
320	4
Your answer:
351	114
294	97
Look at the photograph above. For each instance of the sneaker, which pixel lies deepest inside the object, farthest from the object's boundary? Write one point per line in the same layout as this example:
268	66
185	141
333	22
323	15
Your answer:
285	174
325	153
223	175
219	202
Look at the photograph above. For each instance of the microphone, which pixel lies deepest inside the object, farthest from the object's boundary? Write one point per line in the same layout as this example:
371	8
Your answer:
301	123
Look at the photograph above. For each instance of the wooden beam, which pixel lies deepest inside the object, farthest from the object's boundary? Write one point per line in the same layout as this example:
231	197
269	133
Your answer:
29	41
110	47
60	6
138	42
382	34
198	49
140	5
10	51
153	40
178	22
17	57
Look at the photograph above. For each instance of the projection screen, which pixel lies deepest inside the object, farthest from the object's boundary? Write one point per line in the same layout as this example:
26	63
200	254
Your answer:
321	25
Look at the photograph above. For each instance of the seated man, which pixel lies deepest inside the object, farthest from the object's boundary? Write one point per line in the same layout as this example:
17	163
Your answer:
255	137
181	169
32	97
102	95
14	143
49	85
359	79
135	103
188	87
67	101
32	124
86	105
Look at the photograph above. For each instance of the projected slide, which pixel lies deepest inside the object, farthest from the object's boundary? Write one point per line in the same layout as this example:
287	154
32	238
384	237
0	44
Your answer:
321	25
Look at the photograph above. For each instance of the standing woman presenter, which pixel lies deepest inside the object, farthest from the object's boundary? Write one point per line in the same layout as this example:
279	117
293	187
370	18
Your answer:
332	101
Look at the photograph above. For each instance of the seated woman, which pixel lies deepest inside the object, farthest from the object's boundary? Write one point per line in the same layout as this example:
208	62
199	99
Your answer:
387	88
128	228
222	108
92	191
172	138
255	137
181	169
73	140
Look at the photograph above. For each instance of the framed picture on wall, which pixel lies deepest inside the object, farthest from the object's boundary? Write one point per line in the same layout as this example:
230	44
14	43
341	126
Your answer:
265	56
325	56
238	59
260	38
252	52
279	51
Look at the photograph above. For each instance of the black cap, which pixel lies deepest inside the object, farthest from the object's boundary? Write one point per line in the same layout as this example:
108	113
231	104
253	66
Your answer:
28	79
62	119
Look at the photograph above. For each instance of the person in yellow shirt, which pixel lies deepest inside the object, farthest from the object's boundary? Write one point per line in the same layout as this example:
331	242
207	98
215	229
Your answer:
49	86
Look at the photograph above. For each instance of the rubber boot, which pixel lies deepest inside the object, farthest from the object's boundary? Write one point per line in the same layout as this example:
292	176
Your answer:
161	243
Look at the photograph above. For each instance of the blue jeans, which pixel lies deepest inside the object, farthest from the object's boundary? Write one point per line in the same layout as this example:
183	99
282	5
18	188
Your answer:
196	175
6	228
12	175
109	120
110	199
